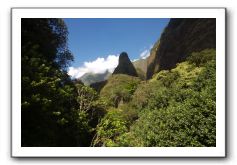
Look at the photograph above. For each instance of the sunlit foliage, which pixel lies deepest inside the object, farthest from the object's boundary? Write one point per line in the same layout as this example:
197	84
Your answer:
176	108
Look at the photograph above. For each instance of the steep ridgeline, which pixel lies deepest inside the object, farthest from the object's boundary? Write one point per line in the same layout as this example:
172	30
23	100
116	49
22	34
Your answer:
141	67
181	37
125	66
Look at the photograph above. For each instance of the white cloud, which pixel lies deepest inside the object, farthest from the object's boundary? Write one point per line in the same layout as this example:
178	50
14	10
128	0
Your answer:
100	65
146	53
135	60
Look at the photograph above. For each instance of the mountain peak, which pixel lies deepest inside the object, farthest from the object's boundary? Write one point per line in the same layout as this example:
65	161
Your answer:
123	56
125	66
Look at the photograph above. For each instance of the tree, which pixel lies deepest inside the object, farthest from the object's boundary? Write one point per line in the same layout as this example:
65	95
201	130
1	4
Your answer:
90	106
110	128
119	89
49	107
177	107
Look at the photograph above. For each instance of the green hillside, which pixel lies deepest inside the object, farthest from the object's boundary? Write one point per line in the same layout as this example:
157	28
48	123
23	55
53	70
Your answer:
175	108
141	68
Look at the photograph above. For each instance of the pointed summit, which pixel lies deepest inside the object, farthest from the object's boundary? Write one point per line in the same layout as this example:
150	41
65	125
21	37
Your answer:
125	66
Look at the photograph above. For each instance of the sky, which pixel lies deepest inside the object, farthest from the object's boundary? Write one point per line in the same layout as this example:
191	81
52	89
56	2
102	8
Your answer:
97	42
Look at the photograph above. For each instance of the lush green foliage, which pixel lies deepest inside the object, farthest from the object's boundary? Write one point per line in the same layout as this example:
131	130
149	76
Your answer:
110	128
175	108
54	111
119	89
201	58
47	92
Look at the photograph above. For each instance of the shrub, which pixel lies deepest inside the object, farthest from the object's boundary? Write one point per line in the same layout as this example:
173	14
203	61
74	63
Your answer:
178	107
109	128
119	89
201	58
187	123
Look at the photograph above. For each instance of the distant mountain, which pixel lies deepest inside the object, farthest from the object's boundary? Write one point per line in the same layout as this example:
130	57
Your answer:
181	37
90	78
125	66
141	67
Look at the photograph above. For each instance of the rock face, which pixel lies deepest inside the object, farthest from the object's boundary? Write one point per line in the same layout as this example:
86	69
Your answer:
181	37
125	66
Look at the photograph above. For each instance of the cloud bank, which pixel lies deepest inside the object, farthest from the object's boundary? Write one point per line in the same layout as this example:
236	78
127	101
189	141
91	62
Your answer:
146	53
100	65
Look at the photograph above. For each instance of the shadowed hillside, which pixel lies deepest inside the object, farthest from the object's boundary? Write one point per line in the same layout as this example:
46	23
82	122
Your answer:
180	38
165	100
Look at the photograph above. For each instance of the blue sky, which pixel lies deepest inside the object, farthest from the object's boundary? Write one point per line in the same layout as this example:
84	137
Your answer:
92	39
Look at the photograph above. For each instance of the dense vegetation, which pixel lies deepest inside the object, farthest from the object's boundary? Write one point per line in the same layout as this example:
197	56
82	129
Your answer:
174	108
52	112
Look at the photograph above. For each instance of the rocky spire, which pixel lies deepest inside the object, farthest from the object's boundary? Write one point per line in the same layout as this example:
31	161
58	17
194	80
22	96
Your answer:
125	66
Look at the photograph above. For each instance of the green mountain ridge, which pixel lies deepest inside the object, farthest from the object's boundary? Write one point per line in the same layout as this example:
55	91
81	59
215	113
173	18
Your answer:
176	108
98	80
166	100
